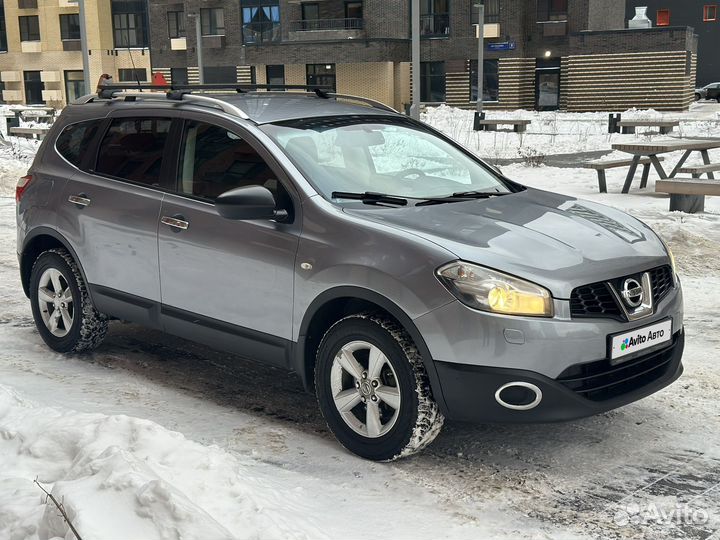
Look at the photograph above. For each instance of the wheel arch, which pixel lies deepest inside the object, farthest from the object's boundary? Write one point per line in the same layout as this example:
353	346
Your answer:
338	302
35	243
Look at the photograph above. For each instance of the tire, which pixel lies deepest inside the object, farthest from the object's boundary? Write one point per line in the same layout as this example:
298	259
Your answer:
395	385
697	97
78	325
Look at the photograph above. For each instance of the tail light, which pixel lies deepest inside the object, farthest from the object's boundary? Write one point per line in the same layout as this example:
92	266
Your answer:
22	185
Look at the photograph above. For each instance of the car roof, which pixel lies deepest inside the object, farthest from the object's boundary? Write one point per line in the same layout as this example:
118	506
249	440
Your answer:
265	108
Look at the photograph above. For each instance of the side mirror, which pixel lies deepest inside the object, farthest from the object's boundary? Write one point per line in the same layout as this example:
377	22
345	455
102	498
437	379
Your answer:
248	202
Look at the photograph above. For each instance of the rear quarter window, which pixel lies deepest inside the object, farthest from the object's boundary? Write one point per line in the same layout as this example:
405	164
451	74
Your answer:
75	139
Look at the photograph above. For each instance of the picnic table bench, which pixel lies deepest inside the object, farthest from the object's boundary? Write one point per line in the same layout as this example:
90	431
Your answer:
698	170
651	149
688	194
491	124
602	166
664	126
30	133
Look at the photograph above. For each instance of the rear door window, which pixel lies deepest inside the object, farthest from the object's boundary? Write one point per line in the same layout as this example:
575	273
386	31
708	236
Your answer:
133	148
75	139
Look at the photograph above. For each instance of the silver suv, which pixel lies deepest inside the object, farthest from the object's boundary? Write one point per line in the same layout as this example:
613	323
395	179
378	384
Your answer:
402	278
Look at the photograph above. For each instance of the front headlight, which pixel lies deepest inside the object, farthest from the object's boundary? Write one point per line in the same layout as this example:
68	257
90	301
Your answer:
670	255
493	291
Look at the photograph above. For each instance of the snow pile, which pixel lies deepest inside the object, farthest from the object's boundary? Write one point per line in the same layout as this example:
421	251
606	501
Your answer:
11	169
123	477
555	132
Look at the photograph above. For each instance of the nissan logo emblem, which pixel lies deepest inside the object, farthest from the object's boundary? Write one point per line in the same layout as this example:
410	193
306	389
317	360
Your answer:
632	292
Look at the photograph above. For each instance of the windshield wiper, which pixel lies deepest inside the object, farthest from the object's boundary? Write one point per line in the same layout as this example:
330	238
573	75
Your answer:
368	197
461	196
477	194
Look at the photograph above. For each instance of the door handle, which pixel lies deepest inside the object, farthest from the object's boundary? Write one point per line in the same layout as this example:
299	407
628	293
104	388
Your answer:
80	200
175	223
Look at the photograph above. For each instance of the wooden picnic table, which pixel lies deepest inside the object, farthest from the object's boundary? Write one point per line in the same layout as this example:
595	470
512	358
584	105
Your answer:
652	149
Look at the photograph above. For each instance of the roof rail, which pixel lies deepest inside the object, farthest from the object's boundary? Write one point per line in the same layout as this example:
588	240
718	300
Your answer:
174	96
183	92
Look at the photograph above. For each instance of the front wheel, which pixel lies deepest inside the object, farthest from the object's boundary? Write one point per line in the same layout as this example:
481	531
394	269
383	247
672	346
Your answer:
373	389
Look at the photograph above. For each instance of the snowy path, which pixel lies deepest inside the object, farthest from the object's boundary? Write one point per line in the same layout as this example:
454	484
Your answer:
255	460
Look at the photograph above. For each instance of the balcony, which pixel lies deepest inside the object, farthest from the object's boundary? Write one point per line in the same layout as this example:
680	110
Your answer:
326	29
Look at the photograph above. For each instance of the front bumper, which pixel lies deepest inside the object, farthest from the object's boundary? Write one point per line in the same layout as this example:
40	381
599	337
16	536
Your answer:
475	353
469	391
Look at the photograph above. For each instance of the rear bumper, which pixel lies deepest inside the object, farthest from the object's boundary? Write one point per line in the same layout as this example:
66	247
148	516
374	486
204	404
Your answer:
581	390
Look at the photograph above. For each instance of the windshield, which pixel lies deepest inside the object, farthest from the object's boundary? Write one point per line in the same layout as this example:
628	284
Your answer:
392	156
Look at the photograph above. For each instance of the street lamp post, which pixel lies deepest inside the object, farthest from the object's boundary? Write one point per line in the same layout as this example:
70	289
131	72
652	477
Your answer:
415	105
479	114
198	46
84	47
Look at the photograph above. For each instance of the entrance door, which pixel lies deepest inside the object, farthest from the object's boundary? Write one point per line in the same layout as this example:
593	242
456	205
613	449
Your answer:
547	85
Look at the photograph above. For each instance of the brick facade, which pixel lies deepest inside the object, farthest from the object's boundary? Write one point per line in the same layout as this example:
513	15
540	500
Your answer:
373	59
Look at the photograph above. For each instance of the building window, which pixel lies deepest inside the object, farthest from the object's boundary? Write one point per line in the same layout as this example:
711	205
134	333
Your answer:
552	10
275	74
27	4
663	17
130	23
492	11
70	26
432	82
29	29
490	80
132	75
434	18
220	75
74	85
176	24
212	21
3	28
33	88
710	13
354	10
179	75
261	22
321	75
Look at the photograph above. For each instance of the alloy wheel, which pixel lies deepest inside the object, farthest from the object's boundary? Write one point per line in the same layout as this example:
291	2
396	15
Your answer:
365	389
56	303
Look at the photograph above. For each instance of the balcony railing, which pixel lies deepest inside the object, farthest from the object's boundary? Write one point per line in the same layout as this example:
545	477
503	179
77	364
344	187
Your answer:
261	32
434	25
326	24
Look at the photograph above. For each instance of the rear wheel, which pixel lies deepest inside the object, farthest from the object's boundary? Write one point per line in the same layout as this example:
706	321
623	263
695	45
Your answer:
373	389
64	315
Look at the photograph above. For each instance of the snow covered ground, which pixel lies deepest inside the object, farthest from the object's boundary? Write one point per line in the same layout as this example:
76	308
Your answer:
152	437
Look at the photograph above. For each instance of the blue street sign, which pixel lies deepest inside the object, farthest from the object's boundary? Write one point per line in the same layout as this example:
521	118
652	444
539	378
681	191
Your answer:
502	46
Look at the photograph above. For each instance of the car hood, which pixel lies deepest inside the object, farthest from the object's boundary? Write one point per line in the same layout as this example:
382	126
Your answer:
553	240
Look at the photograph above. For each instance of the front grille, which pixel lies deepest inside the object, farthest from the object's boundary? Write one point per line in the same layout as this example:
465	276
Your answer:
594	300
662	281
599	381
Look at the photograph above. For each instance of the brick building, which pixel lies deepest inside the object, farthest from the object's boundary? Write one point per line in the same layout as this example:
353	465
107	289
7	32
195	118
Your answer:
40	58
576	55
703	16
